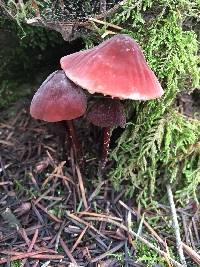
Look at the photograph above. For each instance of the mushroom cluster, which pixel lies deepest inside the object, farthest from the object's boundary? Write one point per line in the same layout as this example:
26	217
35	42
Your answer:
116	69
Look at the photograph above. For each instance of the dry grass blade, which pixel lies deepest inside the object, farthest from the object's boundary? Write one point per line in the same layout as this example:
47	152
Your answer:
102	256
5	183
195	228
185	228
42	196
100	215
57	171
96	191
7	143
47	257
80	179
59	235
106	23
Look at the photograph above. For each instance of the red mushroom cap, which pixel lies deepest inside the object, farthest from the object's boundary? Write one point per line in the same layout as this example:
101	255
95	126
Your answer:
58	99
116	67
107	112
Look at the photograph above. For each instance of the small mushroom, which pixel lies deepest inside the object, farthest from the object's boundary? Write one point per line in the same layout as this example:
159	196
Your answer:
59	99
106	113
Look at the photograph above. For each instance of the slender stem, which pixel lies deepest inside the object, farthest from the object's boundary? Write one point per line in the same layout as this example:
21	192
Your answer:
104	155
73	137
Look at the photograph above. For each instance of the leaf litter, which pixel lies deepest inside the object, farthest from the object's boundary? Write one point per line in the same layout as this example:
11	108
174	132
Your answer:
55	212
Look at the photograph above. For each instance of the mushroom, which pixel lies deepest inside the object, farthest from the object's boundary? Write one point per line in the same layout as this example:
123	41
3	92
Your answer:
106	113
116	67
59	99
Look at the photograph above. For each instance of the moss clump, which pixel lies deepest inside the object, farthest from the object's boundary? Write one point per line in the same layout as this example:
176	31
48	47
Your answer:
159	144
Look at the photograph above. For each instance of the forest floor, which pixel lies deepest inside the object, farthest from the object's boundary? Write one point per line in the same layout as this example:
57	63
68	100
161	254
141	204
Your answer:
56	212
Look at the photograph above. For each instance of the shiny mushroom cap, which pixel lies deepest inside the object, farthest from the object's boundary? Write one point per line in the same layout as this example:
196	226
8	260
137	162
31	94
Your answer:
107	112
58	99
116	67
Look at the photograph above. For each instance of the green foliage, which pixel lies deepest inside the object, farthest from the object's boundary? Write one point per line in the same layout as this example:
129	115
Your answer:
22	11
16	263
149	257
160	145
142	159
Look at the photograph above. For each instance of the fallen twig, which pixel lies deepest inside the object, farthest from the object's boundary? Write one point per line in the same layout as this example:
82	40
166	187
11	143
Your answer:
191	253
31	246
79	239
106	23
81	221
33	255
67	251
53	217
116	248
176	227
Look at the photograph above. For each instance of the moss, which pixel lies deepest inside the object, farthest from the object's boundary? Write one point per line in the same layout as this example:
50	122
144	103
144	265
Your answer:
149	257
16	263
159	144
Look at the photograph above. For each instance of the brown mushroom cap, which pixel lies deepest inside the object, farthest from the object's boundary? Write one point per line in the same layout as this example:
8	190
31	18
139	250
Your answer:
116	67
107	112
58	99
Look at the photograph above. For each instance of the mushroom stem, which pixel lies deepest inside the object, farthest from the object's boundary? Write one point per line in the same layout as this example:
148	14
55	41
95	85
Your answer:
105	148
73	138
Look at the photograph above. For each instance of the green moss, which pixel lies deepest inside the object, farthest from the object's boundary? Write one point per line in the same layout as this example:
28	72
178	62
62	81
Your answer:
159	145
16	263
149	257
